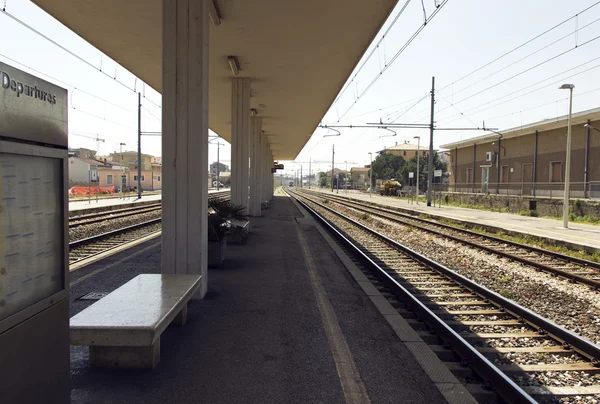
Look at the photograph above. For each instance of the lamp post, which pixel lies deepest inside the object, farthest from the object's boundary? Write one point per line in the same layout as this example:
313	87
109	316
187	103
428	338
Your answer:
418	152
370	174
346	178
121	165
569	87
218	162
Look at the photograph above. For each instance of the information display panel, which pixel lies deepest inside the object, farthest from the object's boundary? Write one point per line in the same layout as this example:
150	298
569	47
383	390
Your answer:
31	234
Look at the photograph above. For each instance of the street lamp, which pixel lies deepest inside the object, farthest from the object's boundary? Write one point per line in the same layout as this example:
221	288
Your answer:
418	150
569	87
218	162
370	174
121	164
587	125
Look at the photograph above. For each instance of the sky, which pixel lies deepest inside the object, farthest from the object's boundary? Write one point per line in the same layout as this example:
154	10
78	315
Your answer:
462	37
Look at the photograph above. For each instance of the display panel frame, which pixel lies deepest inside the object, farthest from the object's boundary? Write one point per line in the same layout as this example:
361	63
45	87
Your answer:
25	149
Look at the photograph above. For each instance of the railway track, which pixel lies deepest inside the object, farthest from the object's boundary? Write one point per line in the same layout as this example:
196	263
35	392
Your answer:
89	247
490	343
572	268
99	233
91	218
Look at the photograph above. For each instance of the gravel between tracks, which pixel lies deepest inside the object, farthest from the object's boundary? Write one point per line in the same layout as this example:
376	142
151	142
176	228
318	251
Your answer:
95	229
575	307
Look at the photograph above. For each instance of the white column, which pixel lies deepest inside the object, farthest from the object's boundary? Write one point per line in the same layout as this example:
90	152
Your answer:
267	169
261	166
271	176
240	133
256	133
185	138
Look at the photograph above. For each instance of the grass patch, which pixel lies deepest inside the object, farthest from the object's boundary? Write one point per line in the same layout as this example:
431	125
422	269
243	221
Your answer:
531	213
504	279
528	240
507	294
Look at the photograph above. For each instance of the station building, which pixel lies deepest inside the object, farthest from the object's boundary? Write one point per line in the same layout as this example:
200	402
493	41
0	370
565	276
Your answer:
530	160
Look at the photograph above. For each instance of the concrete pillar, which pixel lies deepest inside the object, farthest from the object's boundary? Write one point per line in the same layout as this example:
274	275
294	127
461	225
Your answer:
255	164
271	176
240	145
185	138
266	171
261	167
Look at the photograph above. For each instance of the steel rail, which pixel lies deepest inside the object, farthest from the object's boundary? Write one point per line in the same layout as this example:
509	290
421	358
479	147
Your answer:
109	212
506	387
539	265
82	242
578	343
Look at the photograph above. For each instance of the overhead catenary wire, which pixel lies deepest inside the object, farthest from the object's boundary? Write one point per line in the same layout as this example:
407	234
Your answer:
522	45
402	49
477	107
64	83
523	72
349	84
65	49
526	56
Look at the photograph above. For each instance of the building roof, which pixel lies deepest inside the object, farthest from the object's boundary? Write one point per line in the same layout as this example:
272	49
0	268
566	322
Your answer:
404	147
295	78
541	126
99	163
359	169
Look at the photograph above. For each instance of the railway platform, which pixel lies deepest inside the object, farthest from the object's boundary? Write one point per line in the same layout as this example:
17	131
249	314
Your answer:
284	321
578	236
128	201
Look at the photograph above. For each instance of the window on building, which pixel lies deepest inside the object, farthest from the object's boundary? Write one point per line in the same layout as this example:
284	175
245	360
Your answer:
159	178
109	179
504	173
469	175
556	171
404	152
135	178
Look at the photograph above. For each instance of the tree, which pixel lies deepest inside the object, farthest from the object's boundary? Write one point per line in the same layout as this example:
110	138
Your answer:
411	166
387	166
222	167
323	179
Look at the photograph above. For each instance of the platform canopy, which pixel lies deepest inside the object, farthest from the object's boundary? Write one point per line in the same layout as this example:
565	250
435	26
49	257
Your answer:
298	53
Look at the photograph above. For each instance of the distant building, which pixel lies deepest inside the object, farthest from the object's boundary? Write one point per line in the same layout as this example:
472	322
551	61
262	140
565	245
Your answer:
359	176
406	150
151	169
530	159
79	172
213	168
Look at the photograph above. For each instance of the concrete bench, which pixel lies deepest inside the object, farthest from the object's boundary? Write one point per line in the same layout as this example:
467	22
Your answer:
123	329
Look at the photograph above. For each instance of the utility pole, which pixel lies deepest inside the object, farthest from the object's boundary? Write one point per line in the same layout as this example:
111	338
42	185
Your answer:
309	168
430	163
139	156
332	164
218	166
301	177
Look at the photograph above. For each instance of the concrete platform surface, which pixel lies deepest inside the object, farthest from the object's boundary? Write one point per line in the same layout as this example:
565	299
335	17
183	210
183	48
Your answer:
260	335
83	204
577	235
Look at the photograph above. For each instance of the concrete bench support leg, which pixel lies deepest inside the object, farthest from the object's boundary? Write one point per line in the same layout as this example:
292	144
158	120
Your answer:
128	357
181	317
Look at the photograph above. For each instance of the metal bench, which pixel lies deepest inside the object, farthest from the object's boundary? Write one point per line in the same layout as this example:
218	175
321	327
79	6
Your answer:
123	329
